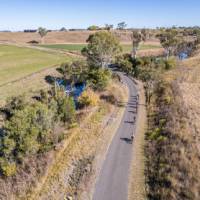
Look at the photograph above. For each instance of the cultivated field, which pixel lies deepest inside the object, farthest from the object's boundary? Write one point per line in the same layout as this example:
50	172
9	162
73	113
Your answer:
16	63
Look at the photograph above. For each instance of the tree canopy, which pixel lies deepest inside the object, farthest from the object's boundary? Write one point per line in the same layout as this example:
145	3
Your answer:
170	40
101	49
42	31
93	28
121	25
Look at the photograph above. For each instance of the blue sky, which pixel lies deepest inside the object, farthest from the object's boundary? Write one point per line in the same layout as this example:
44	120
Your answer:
54	14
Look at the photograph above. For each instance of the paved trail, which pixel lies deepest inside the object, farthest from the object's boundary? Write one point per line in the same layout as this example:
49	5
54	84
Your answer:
113	180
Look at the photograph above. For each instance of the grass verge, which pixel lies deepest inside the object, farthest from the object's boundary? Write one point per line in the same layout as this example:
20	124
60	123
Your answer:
137	173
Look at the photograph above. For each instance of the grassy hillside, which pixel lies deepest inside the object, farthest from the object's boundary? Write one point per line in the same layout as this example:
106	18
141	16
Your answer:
173	138
17	62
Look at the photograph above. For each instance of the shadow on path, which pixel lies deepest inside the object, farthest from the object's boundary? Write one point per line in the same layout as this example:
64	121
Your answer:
127	140
129	122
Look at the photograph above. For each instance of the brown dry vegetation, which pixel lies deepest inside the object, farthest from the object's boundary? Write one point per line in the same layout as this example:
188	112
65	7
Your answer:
57	37
173	149
69	37
151	52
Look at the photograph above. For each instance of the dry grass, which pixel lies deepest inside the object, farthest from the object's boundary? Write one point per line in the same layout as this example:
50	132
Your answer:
137	176
151	52
28	85
174	161
70	37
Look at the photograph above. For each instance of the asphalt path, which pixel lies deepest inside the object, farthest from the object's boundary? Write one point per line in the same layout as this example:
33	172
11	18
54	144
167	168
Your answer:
112	183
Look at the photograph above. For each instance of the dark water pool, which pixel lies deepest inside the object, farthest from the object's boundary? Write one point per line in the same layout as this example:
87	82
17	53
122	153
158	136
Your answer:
183	56
75	91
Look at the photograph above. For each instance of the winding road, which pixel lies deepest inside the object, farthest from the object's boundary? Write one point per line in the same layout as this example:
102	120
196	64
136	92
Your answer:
112	183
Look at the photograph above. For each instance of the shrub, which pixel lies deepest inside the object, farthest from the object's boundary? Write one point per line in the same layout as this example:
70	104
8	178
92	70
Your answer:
15	103
125	65
88	98
7	168
27	132
93	28
99	78
110	98
66	107
170	63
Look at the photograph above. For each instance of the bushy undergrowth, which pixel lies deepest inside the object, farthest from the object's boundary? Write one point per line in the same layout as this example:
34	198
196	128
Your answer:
157	137
88	98
98	78
29	127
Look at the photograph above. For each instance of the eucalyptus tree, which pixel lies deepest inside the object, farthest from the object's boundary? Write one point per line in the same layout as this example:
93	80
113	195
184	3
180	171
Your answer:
170	40
121	25
101	49
42	32
136	39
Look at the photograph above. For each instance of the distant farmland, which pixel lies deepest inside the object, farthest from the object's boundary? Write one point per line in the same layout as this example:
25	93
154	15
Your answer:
79	47
24	69
68	47
17	62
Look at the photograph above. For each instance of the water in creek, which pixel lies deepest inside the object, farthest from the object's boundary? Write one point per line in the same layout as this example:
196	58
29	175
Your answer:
75	91
183	56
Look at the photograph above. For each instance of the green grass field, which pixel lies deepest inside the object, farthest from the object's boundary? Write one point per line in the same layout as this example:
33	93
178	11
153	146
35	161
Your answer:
17	62
78	47
68	47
